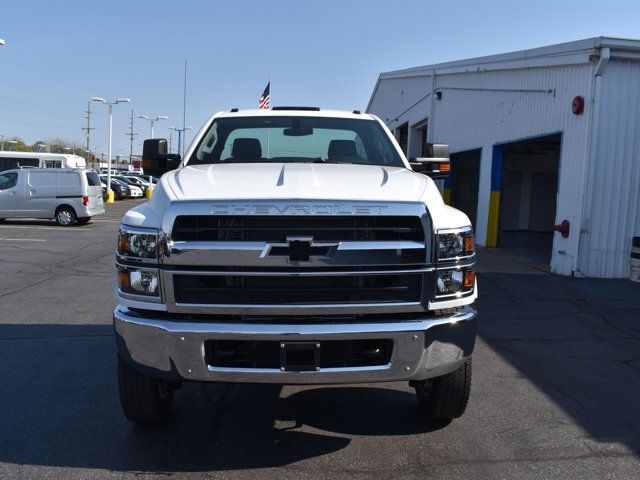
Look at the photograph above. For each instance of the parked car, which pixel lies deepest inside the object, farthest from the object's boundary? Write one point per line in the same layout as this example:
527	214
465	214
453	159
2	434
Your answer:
133	181
120	189
70	196
143	180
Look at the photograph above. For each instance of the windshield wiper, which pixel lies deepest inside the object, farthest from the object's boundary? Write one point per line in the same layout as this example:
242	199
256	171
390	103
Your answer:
325	160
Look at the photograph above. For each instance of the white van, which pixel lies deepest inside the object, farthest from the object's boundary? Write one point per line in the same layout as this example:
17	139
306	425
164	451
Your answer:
69	196
9	160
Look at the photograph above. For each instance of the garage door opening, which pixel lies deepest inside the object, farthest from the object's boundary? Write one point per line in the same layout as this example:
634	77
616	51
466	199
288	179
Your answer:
465	178
528	197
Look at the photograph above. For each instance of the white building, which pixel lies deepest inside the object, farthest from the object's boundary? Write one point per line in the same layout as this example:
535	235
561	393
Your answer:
537	137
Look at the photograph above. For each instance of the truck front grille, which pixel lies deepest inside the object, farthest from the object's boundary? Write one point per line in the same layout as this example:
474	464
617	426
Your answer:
211	228
297	290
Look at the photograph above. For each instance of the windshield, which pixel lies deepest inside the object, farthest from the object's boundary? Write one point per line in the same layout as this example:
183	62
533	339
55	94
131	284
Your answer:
296	139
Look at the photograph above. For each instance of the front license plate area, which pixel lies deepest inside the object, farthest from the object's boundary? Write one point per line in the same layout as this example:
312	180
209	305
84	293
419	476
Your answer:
299	356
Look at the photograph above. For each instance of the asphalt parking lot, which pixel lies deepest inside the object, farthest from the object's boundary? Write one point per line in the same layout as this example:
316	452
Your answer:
555	394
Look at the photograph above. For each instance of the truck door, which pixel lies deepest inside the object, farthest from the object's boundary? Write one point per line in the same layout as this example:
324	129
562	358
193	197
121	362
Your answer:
8	194
39	196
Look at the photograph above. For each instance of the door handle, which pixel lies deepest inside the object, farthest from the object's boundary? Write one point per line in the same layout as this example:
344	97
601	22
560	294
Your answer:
32	192
12	193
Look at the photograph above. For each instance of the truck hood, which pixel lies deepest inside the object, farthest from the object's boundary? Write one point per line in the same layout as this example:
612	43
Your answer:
250	181
279	181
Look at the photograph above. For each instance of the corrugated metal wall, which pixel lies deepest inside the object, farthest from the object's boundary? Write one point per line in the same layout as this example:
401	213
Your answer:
504	106
612	215
482	109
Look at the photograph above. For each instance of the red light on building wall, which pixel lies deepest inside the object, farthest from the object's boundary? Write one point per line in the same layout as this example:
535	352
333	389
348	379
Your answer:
577	106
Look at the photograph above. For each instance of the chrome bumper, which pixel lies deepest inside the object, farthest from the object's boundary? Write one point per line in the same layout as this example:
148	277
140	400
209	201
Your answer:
174	350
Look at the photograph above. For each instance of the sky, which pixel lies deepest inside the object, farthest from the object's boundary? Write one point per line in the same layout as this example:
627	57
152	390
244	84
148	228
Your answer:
322	53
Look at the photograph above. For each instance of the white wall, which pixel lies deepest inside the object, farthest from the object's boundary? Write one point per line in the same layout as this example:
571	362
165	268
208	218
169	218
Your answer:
612	213
477	110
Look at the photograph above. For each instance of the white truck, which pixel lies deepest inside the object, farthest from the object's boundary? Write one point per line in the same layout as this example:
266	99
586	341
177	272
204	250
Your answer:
294	246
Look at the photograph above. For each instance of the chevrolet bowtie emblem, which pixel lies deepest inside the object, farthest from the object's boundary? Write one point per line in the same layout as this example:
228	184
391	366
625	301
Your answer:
299	249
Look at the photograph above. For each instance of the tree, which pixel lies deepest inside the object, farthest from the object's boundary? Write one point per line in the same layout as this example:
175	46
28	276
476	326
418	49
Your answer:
18	146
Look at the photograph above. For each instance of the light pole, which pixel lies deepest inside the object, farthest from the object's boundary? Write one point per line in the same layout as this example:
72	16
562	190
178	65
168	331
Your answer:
180	133
110	195
152	120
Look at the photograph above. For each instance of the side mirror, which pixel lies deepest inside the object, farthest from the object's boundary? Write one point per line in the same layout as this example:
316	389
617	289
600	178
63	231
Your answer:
436	164
155	159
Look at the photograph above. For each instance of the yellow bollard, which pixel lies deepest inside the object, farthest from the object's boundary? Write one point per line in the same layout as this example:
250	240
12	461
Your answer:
149	192
111	197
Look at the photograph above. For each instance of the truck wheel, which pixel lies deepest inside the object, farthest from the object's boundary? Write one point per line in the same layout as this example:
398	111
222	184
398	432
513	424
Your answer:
65	216
445	397
144	399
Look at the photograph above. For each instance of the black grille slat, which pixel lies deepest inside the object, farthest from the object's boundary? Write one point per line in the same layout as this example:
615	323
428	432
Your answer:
278	228
280	290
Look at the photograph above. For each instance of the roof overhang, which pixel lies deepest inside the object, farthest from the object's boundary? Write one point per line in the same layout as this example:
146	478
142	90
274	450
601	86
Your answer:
570	53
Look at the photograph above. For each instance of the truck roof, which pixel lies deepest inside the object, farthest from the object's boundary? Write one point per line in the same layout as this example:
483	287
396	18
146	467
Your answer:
294	111
14	154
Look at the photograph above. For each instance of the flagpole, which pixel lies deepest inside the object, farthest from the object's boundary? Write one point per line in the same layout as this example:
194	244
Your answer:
268	129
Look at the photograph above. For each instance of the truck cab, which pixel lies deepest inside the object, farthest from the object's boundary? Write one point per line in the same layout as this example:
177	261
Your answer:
294	246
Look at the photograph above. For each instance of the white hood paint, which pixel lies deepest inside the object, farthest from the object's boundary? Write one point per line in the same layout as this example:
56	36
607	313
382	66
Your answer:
251	181
295	181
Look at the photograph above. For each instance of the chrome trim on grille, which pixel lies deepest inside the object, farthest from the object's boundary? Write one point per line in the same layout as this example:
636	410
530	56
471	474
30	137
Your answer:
306	273
252	254
247	254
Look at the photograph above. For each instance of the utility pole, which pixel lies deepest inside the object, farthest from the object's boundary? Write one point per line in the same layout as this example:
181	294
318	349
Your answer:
170	140
184	112
132	136
88	128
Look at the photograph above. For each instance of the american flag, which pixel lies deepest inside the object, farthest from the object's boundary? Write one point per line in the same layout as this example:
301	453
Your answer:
265	98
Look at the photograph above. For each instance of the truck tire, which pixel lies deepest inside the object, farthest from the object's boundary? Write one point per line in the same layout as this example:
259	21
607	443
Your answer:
65	216
144	399
445	397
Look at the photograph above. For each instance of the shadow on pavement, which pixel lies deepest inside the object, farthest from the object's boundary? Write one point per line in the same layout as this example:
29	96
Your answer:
578	341
59	407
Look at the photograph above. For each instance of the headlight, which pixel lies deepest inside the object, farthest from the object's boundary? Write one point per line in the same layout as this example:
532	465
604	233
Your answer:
137	242
138	281
455	281
452	245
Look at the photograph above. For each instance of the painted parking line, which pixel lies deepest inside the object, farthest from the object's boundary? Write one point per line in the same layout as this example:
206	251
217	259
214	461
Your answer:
22	239
43	227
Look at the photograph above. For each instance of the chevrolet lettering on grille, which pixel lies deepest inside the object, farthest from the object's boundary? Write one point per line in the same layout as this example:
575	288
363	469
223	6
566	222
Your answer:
299	249
296	209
